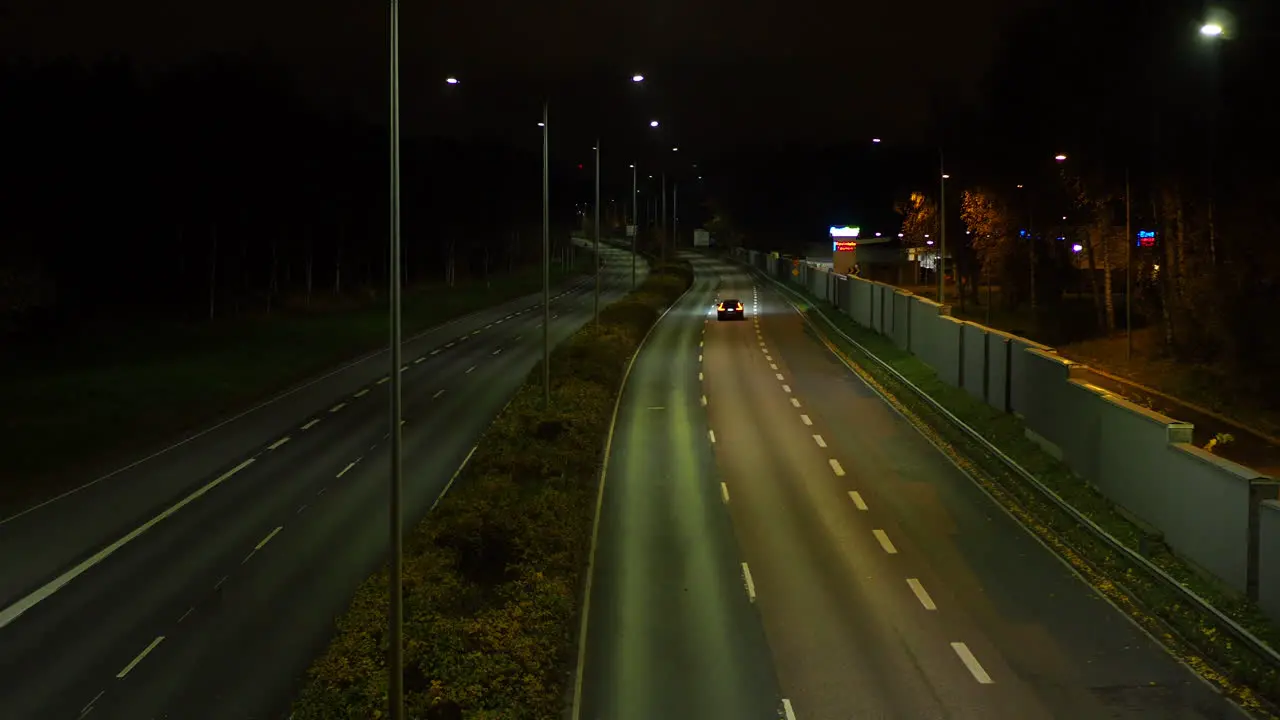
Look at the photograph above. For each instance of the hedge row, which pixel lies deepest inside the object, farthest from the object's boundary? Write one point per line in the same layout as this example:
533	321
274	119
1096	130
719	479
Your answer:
492	577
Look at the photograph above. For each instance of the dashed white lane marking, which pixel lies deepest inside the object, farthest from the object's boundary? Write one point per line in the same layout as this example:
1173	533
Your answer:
971	662
14	611
134	663
347	468
778	375
751	584
448	345
436	351
700	343
311	424
362	393
337	407
475	332
835	467
419	360
805	419
438	394
218	585
921	594
486	327
787	712
773	366
267	539
499	350
406	367
473	367
321	491
768	358
699	377
301	507
278	443
383	380
761	343
795	402
884	541
186	614
712	434
699	358
858	502
786	388
704	401
818	439
724	492
85	710
657	407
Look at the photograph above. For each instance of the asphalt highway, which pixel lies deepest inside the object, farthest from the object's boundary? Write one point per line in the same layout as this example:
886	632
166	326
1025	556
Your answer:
201	582
887	584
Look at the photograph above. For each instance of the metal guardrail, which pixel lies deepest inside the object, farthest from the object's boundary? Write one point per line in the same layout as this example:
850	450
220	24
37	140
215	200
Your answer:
1265	651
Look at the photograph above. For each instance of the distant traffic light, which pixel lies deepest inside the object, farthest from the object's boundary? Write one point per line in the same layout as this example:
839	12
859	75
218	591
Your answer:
579	166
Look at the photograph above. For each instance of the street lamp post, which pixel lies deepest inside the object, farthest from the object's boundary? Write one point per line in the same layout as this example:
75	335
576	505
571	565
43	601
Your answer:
395	661
662	224
546	264
635	222
597	260
1128	272
942	226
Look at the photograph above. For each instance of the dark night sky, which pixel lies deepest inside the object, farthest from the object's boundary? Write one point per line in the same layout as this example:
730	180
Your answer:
722	72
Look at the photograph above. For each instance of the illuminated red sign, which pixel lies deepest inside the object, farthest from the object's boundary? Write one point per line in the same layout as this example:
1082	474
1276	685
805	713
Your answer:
844	245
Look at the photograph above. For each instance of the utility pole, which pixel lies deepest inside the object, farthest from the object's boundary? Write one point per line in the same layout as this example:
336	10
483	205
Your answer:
597	260
395	663
546	265
675	213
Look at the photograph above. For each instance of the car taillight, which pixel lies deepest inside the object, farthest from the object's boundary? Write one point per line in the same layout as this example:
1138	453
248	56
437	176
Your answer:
721	306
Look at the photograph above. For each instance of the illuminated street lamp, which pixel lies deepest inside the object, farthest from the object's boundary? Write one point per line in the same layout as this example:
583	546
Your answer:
653	123
1211	30
451	80
637	78
1060	157
875	140
675	149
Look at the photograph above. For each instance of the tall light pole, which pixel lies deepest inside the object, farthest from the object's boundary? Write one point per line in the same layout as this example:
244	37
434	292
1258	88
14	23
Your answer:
662	224
1128	272
942	229
546	264
597	260
635	221
395	661
675	213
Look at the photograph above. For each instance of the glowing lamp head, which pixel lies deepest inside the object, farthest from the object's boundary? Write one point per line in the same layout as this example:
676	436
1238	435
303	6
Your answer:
1077	248
637	78
1211	30
451	80
653	123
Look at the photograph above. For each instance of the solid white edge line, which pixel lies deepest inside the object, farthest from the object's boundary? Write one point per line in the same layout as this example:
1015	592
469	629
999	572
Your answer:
595	523
455	475
805	419
921	594
836	467
724	492
751	584
134	663
885	542
14	611
971	662
858	502
787	712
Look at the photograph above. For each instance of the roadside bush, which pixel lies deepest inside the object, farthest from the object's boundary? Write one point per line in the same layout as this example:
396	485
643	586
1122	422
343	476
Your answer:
492	577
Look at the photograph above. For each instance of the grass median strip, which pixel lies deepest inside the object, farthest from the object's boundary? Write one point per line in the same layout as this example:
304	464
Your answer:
493	576
1189	633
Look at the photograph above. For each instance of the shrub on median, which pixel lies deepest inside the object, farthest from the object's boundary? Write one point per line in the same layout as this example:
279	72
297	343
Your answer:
491	579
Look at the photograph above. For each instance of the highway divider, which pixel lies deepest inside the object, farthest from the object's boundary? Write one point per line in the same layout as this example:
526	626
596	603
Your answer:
1214	630
492	577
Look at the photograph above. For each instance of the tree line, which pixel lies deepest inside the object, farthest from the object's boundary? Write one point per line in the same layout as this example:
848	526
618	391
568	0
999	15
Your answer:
214	190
